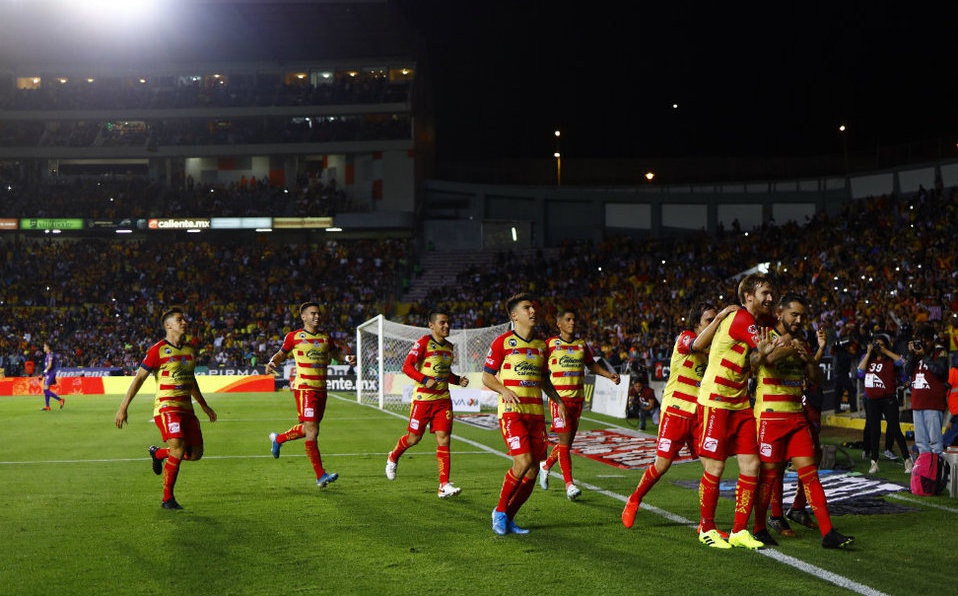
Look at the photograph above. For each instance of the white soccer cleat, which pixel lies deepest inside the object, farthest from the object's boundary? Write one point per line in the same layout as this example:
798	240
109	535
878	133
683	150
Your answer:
391	468
543	476
572	492
448	490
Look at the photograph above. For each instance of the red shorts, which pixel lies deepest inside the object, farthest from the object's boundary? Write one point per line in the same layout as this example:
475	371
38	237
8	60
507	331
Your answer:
175	424
310	404
436	413
524	433
675	431
726	432
569	424
784	436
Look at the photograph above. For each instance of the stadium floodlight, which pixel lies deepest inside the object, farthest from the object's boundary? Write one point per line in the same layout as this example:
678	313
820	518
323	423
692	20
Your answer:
112	8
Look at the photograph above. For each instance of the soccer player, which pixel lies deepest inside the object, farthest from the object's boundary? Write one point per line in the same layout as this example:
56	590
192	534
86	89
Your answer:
429	364
784	431
171	362
51	362
516	369
568	357
311	349
679	400
727	422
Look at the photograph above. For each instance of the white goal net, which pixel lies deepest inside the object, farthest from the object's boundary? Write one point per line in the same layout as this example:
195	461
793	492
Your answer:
381	349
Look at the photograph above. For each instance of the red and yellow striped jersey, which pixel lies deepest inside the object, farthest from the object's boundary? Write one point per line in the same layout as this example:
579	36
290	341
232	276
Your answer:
172	369
311	353
567	363
521	366
778	386
725	382
427	359
685	374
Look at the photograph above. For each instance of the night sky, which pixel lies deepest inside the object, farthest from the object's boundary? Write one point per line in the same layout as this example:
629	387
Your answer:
773	82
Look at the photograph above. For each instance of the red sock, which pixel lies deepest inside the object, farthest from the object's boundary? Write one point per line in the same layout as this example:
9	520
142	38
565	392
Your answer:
552	459
648	480
509	486
442	456
162	453
763	496
520	496
777	490
291	435
312	452
708	500
744	500
565	462
816	497
401	446
799	501
170	470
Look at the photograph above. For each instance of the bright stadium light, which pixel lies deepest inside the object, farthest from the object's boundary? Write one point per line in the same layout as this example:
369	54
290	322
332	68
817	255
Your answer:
102	15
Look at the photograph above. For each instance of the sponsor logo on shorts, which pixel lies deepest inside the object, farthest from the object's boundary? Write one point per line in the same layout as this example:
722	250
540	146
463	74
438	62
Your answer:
174	427
710	444
308	412
665	444
765	449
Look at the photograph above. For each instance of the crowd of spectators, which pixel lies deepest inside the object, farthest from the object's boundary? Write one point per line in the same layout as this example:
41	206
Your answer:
221	92
131	196
98	301
152	134
881	264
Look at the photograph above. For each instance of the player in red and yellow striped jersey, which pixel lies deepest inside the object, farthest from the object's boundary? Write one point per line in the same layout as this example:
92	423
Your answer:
171	362
727	424
312	350
429	364
784	431
680	398
568	358
517	370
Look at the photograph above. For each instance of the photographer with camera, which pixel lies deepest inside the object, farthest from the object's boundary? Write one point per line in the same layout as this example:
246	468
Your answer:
927	367
880	369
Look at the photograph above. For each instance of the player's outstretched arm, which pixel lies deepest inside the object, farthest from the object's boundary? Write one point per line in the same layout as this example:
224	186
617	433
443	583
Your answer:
198	396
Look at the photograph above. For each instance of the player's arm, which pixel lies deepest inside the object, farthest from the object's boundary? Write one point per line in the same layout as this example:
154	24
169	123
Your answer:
455	379
764	347
595	367
813	372
704	339
412	364
549	389
339	353
491	381
602	371
198	397
822	344
275	360
138	381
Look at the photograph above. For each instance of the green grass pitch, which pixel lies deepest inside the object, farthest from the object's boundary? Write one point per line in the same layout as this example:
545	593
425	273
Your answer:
81	514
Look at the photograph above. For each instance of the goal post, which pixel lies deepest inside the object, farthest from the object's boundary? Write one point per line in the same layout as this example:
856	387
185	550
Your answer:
381	349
